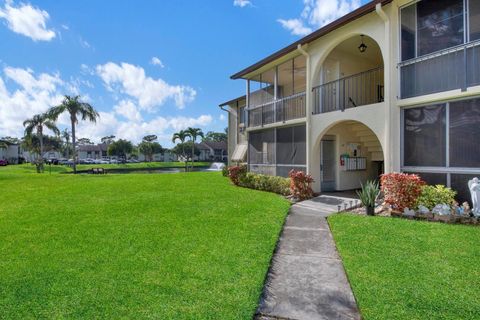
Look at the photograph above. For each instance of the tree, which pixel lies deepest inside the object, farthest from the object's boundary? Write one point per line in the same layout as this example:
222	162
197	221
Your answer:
194	133
66	136
185	149
84	142
36	124
215	136
150	138
108	139
180	136
149	147
77	110
120	148
11	140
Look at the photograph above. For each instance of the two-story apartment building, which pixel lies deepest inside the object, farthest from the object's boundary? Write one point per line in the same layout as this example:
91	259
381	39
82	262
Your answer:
392	86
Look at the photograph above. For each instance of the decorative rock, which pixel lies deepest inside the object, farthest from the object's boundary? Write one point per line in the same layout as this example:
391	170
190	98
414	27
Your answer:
423	209
442	210
408	212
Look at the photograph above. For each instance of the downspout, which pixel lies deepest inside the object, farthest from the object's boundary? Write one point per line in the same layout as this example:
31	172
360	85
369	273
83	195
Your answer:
308	95
388	85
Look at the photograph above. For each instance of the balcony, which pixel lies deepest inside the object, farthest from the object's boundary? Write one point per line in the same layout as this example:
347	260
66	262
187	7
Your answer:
280	110
349	92
449	69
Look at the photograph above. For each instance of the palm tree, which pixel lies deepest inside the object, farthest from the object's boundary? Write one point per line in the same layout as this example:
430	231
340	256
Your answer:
77	110
66	136
194	133
181	136
37	123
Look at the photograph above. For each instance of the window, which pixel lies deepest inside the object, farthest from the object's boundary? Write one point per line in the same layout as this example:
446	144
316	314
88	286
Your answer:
464	133
291	147
408	36
428	132
242	114
425	136
431	25
474	19
277	151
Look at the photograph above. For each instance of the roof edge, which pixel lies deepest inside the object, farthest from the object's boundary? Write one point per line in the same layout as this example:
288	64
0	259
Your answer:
357	13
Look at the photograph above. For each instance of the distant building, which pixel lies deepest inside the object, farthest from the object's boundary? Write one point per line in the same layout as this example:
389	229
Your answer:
212	151
11	153
92	151
167	156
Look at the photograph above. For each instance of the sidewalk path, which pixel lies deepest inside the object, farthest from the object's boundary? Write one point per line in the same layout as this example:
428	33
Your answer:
307	279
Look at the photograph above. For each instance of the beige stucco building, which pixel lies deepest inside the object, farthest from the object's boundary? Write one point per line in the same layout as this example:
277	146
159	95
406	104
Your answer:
392	86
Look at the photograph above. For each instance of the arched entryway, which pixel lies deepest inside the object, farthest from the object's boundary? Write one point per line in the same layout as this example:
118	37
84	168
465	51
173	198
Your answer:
348	154
351	75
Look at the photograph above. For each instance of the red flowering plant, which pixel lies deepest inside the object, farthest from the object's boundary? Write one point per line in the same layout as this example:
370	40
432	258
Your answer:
300	185
401	190
235	173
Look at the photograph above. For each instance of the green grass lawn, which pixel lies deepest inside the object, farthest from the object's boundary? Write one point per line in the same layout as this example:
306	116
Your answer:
162	246
403	269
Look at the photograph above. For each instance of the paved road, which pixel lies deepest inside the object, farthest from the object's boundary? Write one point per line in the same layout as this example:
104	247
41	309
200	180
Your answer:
307	279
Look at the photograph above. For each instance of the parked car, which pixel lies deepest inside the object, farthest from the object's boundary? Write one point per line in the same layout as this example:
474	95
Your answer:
114	161
3	162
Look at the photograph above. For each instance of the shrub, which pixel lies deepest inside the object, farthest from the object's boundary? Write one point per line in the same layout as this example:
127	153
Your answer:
225	171
236	173
300	185
433	195
401	189
368	195
262	182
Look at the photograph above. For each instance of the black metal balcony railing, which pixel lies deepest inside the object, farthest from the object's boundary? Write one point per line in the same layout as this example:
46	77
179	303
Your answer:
281	110
353	91
453	68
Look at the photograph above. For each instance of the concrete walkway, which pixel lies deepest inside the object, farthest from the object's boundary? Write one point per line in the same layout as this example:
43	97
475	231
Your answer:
307	279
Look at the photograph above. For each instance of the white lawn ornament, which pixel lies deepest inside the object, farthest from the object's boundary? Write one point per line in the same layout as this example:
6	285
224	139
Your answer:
474	187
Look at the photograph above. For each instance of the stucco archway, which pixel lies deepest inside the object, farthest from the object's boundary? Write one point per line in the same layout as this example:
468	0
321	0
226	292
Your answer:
346	154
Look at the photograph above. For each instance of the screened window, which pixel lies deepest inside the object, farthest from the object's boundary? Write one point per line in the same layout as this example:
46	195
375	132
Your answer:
262	147
291	147
408	32
431	25
474	15
425	142
465	133
242	115
425	136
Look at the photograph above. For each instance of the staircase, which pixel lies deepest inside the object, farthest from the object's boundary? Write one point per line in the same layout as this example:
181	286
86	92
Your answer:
369	141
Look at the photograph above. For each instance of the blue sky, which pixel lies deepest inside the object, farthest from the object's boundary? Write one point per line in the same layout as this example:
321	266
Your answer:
149	67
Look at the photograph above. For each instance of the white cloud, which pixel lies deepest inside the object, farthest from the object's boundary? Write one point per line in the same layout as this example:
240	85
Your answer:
318	13
222	117
150	93
157	62
242	3
24	93
31	94
128	110
35	94
295	26
163	127
27	20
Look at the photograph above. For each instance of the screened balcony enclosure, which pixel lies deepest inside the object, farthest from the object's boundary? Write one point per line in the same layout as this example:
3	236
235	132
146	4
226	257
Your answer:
440	46
350	77
278	94
276	151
